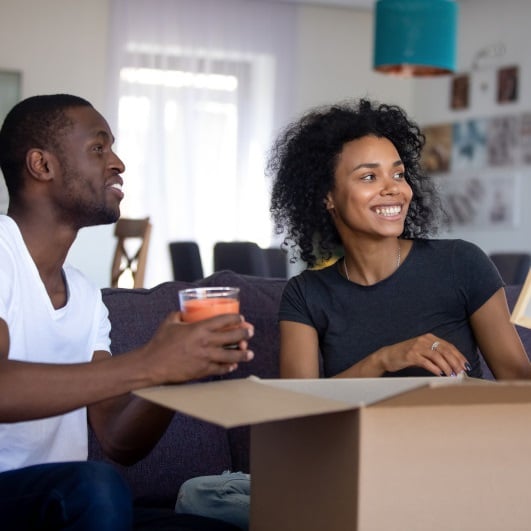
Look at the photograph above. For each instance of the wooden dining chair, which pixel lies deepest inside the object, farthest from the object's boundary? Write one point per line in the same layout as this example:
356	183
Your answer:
130	256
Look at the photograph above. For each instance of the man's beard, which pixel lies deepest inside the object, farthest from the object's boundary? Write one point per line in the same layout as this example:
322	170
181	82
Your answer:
79	215
81	212
98	216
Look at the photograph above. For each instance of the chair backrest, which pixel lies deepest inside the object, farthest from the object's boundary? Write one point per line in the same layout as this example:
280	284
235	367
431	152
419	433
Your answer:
245	258
277	261
186	261
130	256
513	267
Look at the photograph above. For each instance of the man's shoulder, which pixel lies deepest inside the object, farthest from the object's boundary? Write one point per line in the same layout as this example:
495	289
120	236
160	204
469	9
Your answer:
8	228
9	245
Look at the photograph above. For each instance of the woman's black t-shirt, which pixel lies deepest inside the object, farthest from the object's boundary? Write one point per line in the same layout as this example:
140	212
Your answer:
435	290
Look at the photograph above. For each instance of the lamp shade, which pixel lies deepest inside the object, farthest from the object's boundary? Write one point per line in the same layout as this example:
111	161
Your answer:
415	37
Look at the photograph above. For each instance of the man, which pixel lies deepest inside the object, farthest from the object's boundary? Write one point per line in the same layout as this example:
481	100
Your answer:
55	367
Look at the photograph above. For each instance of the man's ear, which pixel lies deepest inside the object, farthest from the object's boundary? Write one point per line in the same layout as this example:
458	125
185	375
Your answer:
38	164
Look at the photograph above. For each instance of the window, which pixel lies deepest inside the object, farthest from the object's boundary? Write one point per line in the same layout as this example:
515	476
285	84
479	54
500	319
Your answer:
194	166
197	90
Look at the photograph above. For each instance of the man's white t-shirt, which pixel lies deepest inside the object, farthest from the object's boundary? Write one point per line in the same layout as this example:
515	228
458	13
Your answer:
40	333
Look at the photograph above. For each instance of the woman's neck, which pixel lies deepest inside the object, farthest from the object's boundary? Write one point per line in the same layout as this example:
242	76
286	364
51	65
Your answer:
367	265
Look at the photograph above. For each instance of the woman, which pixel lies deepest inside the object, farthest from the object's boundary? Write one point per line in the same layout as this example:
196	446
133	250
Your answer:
348	177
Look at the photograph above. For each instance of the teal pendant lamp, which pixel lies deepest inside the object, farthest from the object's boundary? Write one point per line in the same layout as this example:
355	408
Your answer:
415	37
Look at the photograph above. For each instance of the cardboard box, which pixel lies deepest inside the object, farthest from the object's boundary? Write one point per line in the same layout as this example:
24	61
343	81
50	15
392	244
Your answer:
400	454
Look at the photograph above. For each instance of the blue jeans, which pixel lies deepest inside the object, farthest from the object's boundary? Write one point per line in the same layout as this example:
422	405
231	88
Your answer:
226	497
76	496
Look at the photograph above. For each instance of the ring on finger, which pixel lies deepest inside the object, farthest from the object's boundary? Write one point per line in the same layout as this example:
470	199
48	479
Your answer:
435	345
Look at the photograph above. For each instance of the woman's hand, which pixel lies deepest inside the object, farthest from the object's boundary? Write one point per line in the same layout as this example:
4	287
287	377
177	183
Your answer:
428	352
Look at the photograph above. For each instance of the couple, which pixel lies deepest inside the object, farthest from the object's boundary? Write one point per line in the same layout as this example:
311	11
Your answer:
345	177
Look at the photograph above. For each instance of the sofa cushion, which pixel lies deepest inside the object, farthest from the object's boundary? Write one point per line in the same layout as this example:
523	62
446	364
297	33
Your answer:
191	447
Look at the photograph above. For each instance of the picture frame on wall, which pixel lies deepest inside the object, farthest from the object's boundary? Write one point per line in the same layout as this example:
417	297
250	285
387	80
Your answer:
437	150
459	92
503	140
482	200
508	84
469	144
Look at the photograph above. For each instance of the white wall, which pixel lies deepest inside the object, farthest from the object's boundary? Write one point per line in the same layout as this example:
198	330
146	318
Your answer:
335	60
61	46
483	24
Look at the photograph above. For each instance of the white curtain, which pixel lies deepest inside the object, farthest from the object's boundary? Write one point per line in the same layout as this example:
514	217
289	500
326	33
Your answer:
199	89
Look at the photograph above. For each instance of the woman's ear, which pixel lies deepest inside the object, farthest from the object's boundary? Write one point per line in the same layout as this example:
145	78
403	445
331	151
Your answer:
37	164
329	202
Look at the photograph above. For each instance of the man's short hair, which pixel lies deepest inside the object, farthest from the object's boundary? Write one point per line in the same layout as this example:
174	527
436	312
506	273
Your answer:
37	122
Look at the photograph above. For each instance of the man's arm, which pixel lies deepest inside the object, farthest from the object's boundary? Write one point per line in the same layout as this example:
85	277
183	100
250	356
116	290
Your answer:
176	353
35	390
126	426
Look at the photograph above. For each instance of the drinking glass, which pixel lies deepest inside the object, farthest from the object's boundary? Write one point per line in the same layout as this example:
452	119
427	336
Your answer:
202	303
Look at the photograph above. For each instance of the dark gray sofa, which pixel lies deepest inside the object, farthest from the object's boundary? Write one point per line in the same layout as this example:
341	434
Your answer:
191	447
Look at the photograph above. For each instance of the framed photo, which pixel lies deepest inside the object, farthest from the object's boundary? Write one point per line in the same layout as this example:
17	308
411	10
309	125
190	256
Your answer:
481	200
459	92
437	150
507	84
522	309
469	144
504	140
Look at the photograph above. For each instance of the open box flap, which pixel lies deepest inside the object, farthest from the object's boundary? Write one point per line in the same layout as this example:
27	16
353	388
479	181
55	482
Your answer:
465	391
412	391
232	403
357	392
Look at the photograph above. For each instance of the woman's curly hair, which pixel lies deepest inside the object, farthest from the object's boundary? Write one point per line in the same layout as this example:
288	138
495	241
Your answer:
302	164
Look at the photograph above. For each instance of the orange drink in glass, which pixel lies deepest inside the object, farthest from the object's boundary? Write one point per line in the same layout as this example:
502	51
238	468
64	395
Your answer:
202	303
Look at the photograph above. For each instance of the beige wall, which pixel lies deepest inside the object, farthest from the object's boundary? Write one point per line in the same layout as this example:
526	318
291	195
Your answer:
334	60
61	46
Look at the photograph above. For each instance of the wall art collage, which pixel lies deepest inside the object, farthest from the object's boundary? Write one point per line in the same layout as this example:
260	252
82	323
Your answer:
477	163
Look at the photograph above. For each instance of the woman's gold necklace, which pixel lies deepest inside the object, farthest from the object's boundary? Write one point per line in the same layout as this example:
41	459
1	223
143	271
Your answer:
397	261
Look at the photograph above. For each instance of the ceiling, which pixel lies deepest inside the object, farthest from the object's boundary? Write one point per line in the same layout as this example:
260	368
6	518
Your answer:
357	4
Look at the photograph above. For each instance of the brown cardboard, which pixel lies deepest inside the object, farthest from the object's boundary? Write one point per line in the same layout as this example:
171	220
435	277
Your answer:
308	473
234	403
407	454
